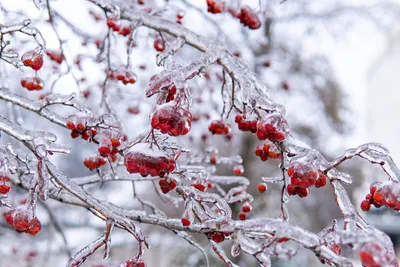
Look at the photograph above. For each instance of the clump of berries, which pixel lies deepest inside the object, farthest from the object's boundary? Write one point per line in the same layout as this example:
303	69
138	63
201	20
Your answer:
387	194
147	160
79	127
55	56
110	141
219	127
246	124
23	219
167	184
32	83
5	184
215	6
93	163
268	150
123	75
172	120
373	254
248	18
246	208
32	59
273	127
303	176
133	263
116	26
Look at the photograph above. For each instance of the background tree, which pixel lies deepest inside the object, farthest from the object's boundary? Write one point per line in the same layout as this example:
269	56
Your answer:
176	103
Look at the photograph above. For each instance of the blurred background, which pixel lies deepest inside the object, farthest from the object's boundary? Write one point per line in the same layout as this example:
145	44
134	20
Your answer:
333	64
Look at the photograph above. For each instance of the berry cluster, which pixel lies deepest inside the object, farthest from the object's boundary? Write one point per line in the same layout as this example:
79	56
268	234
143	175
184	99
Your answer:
268	150
32	83
167	184
116	27
302	177
246	124
246	208
23	220
159	45
148	161
387	194
109	142
133	263
78	127
273	127
219	127
373	254
215	6
5	184
172	120
94	162
32	59
249	18
179	17
55	56
123	75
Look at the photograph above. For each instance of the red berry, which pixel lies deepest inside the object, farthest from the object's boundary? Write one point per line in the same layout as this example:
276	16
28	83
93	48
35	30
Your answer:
238	169
75	134
199	187
70	125
321	181
262	187
246	208
80	127
159	45
214	159
185	222
242	216
104	151
336	248
216	237
365	205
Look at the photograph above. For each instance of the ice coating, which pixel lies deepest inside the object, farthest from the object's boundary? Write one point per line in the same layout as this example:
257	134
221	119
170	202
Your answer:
148	161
